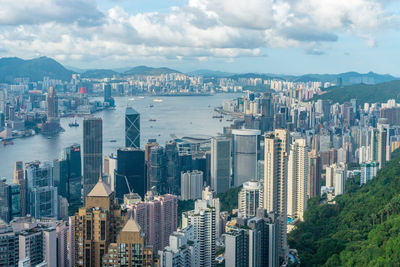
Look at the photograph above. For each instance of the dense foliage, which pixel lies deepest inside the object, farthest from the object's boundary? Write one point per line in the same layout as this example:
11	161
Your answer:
229	199
361	229
364	93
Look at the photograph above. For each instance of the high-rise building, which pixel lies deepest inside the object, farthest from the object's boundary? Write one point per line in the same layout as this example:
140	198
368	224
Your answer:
157	217
52	104
130	249
110	165
20	179
107	95
42	197
130	172
382	141
173	174
72	156
297	179
96	225
4	196
183	249
132	128
9	245
253	242
267	112
204	224
340	179
314	174
368	171
158	170
92	152
191	185
245	154
250	199
220	164
276	146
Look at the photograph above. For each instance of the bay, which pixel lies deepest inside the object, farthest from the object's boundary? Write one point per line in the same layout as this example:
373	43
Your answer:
181	115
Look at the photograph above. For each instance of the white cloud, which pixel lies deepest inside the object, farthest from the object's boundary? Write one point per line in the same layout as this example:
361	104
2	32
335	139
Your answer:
76	30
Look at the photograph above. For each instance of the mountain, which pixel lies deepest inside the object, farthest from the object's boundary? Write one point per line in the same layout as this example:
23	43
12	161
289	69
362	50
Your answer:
210	73
364	93
361	228
348	78
99	74
144	70
35	69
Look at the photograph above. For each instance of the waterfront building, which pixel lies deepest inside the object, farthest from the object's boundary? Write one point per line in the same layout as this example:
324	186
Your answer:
220	164
96	225
132	128
250	198
92	152
107	95
276	148
245	151
191	185
130	172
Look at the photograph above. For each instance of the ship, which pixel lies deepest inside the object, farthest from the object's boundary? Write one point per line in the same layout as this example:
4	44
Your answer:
158	100
73	124
152	119
217	117
151	105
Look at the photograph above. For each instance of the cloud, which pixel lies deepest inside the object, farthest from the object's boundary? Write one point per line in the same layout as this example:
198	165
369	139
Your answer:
28	12
78	31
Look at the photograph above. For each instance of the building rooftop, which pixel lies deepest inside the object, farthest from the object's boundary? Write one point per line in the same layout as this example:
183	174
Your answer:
131	226
131	111
101	189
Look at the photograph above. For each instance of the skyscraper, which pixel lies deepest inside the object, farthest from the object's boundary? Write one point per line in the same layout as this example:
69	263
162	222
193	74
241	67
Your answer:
92	152
245	154
130	249
158	170
250	199
275	181
9	245
382	140
132	128
314	177
96	225
52	104
157	217
130	169
191	185
297	179
107	95
220	164
42	197
72	156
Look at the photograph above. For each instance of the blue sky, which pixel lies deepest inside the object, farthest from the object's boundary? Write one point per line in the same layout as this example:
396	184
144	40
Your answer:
270	36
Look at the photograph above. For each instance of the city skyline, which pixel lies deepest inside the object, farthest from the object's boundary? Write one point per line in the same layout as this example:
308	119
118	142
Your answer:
287	37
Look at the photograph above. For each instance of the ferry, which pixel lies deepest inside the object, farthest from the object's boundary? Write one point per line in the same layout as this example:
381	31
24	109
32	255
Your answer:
73	124
157	100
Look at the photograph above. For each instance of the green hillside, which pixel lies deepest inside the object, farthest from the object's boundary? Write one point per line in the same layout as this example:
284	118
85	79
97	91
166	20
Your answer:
361	229
99	74
35	69
364	93
144	70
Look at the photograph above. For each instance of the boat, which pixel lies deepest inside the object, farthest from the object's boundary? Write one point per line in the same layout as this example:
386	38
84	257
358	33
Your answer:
151	105
5	142
229	119
141	97
113	141
217	117
73	124
158	100
152	119
131	99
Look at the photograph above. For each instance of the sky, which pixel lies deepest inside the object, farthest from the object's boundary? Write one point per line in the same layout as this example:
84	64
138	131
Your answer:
265	36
